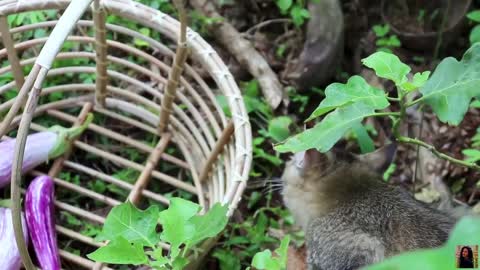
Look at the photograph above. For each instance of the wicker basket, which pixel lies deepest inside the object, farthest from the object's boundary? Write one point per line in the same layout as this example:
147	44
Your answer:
208	157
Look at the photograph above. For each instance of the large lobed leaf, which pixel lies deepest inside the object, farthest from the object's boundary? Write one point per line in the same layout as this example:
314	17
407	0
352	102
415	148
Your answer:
266	261
351	102
175	222
134	225
388	66
210	224
182	225
120	251
130	230
363	138
326	133
355	90
453	85
279	128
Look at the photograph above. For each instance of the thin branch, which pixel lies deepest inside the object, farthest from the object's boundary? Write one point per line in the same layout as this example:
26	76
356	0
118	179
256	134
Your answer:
265	23
418	146
393	99
437	153
410	104
386	114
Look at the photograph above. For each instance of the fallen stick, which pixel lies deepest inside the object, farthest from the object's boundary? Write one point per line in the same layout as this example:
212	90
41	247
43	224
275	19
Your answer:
244	52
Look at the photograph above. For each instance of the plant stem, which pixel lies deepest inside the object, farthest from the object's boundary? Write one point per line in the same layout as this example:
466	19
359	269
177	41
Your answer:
410	104
396	125
386	114
431	148
393	99
441	30
437	153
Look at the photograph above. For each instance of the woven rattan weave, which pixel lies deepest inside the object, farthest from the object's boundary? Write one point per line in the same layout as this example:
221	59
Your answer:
197	152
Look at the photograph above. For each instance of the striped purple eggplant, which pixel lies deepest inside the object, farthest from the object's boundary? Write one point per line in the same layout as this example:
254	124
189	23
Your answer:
9	254
39	148
39	212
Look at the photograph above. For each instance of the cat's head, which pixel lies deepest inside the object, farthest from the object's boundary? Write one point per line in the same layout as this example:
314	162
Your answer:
311	179
311	165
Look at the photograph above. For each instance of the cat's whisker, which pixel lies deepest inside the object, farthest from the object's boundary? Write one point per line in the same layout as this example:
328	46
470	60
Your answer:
271	189
276	189
254	184
275	180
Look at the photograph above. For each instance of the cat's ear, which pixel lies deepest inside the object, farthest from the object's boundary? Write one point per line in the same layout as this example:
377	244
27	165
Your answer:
381	158
309	158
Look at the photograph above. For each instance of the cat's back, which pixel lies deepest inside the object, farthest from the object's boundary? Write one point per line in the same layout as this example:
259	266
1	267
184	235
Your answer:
351	217
376	220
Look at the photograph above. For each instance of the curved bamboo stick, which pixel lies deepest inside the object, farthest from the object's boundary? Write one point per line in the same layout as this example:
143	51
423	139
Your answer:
19	100
44	60
12	53
16	178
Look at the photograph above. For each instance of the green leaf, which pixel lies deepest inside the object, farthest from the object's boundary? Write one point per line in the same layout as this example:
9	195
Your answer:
263	260
282	250
159	259
364	141
391	41
453	85
474	15
457	186
419	79
10	94
326	133
176	227
356	90
475	104
120	251
388	66
251	88
299	14
474	35
179	263
278	128
388	173
384	49
381	30
284	5
223	102
135	225
466	232
476	139
228	259
256	104
473	155
210	224
254	198
181	209
141	42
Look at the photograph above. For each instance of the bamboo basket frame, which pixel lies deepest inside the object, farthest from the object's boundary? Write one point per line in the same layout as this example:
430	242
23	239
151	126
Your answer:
217	150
